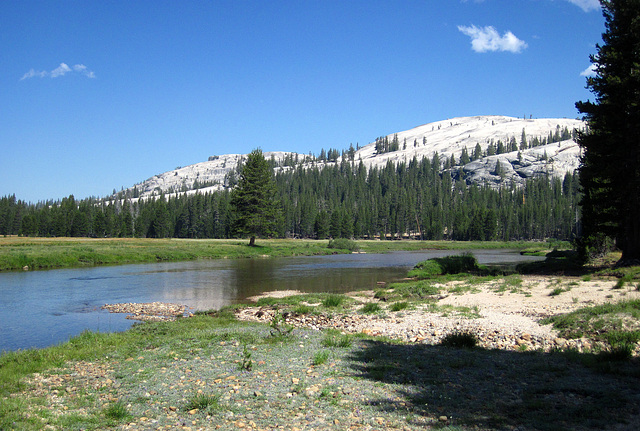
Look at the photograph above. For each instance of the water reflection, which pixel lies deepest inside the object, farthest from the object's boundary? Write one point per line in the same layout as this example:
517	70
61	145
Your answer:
46	307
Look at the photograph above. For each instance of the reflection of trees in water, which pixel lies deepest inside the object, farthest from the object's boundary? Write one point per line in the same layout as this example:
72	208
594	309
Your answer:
212	285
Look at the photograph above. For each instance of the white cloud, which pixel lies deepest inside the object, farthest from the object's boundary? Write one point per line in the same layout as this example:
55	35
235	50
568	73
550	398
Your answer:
32	74
586	5
589	71
485	39
61	70
81	68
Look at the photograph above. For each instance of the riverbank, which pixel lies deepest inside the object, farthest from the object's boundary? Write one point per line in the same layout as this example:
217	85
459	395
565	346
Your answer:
389	358
23	253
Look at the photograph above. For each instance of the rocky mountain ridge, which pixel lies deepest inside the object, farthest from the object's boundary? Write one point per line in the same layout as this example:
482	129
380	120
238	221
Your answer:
494	150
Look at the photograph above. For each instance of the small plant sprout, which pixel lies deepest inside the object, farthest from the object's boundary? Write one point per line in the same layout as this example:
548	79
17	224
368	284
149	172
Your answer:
246	364
279	327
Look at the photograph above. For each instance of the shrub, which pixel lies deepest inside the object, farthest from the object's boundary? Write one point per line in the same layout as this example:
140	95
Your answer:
618	353
428	268
622	338
460	339
594	246
343	244
279	327
463	263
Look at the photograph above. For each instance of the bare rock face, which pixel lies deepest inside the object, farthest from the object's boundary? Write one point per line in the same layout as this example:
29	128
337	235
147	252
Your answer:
449	139
554	159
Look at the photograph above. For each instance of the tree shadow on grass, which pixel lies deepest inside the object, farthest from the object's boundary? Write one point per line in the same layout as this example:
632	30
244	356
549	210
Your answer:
495	389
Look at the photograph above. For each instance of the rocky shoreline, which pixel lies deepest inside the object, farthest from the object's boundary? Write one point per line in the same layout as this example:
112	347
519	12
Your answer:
506	320
150	311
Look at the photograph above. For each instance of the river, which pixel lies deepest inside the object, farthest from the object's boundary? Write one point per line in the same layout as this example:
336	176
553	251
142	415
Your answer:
42	308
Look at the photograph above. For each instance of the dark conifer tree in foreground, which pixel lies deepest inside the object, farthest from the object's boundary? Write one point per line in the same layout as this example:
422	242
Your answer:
257	210
610	171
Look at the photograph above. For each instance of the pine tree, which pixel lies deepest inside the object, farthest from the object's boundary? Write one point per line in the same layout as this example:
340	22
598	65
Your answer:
610	168
254	199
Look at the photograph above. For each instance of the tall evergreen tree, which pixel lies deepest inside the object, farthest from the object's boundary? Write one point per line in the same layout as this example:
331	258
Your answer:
254	199
610	169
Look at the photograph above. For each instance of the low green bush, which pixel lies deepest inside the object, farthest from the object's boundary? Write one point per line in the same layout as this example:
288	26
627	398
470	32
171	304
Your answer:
463	263
343	244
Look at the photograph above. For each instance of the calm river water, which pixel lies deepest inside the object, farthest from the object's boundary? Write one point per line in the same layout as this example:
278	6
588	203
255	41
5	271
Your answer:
41	308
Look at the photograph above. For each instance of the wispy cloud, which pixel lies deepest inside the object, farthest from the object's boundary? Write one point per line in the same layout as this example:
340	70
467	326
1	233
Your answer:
484	39
586	5
589	71
61	70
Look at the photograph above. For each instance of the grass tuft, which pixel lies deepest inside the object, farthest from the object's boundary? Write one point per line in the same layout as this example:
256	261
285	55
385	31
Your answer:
333	301
460	339
399	306
117	411
203	402
337	340
320	357
370	308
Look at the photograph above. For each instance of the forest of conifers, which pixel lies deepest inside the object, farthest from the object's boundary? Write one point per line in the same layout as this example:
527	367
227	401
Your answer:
416	199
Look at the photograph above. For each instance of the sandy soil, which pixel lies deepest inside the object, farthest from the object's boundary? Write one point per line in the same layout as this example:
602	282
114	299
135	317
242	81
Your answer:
502	315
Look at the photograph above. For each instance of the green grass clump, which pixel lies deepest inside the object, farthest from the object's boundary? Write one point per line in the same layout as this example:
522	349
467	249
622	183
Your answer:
333	301
336	339
203	402
413	290
117	411
460	339
370	308
320	357
463	263
303	309
613	323
399	306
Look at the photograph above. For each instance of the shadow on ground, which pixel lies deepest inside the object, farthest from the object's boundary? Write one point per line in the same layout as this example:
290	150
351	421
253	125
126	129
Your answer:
495	389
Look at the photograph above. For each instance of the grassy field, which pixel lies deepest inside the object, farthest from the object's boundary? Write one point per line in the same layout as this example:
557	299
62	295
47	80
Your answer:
17	253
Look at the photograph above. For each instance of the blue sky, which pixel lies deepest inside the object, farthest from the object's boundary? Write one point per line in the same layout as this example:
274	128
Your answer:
96	95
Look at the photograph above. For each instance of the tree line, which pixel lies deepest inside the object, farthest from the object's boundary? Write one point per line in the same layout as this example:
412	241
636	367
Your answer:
416	199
